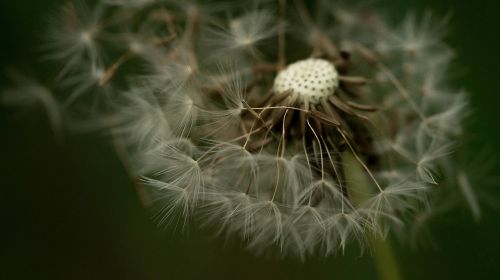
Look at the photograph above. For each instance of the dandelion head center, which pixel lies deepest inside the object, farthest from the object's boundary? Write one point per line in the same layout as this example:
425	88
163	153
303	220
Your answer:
312	78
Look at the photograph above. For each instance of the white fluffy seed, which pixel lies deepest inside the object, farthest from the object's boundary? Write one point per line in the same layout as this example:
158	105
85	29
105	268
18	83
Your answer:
314	78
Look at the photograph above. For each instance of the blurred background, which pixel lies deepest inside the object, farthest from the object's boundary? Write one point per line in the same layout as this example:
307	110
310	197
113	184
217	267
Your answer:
66	215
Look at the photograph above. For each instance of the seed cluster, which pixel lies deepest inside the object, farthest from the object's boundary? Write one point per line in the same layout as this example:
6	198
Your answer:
220	128
314	78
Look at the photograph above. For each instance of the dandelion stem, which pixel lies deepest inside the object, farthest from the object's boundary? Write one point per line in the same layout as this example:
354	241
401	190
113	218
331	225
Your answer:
385	260
383	255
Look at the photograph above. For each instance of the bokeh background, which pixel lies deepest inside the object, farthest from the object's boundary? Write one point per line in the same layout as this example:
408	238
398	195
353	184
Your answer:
71	212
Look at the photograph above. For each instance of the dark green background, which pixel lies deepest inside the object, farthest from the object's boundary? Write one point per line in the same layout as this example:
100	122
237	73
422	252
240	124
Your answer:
66	215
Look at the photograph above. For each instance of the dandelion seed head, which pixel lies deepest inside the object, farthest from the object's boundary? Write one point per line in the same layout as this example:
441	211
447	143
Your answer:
299	146
314	78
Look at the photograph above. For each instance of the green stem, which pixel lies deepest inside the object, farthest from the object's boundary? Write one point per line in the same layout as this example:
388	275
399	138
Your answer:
385	259
360	190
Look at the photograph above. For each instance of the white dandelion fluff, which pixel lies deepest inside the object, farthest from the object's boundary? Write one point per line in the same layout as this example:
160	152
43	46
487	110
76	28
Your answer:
300	133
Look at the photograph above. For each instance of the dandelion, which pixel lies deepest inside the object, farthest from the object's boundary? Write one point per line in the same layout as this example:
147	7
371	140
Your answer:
300	133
